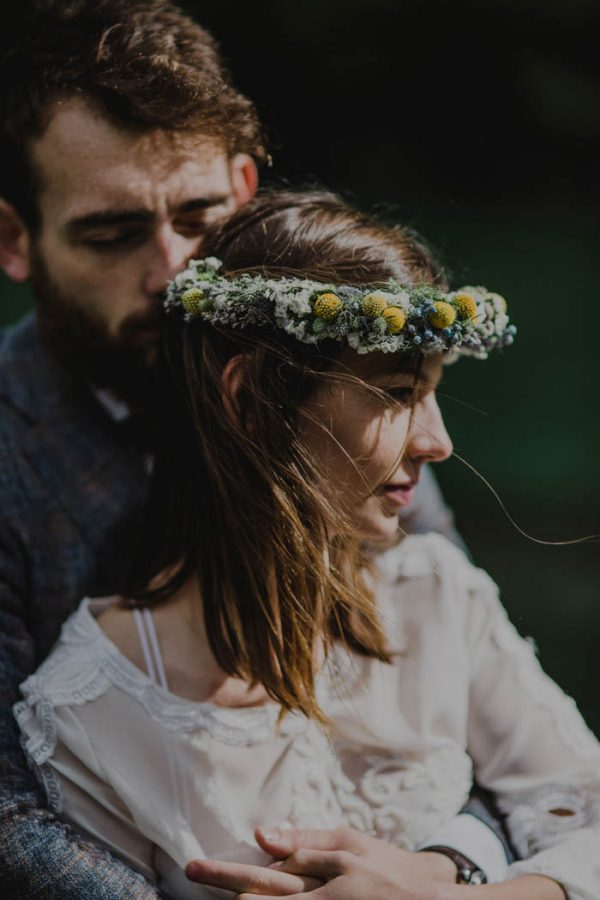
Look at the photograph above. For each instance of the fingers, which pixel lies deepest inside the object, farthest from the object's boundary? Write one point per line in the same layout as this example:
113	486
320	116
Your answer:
280	843
321	864
274	896
241	878
305	895
309	894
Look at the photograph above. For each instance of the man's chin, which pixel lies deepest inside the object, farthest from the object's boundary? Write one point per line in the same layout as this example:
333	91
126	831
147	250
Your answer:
142	346
127	367
124	365
124	362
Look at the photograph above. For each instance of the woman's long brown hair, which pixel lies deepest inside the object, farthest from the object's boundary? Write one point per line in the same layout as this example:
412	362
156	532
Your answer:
237	500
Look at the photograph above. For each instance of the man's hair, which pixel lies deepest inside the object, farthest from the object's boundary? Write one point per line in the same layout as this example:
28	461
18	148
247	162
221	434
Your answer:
143	64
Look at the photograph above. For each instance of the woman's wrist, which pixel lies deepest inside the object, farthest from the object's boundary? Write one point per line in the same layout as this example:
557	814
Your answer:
462	869
527	887
440	866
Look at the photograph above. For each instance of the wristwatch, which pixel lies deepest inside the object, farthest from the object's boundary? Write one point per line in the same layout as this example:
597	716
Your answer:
467	872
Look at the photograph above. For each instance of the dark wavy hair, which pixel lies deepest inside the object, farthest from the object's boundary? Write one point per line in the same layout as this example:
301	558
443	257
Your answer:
238	500
143	64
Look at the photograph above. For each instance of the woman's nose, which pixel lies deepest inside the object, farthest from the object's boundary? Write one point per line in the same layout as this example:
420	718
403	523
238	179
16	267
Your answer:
428	440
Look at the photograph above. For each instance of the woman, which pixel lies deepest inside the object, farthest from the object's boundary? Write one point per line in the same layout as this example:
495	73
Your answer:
258	666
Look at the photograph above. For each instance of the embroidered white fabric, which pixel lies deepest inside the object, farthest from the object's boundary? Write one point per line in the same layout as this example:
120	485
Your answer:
162	780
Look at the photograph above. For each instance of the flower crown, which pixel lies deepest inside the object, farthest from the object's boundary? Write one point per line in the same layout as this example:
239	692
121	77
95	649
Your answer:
396	318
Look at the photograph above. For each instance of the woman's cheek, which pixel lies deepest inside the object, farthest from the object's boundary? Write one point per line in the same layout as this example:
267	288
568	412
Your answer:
387	446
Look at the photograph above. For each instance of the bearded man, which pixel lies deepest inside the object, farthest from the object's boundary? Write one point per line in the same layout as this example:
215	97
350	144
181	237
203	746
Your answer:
121	139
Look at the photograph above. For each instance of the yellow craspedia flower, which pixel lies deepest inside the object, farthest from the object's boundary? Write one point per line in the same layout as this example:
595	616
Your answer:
374	305
499	301
191	300
466	306
444	315
327	306
396	319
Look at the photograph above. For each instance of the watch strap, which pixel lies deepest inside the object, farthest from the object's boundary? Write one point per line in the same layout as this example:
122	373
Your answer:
467	872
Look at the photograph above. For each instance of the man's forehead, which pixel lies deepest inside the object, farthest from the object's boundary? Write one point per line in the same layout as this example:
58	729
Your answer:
83	159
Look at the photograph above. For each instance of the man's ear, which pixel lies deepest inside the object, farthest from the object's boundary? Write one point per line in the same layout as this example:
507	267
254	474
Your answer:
244	177
233	382
15	243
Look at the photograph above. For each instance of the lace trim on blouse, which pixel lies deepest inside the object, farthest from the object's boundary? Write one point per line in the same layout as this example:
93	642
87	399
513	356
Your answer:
540	818
87	665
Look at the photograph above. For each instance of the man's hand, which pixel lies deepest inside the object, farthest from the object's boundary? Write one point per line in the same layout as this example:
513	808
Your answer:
246	880
310	857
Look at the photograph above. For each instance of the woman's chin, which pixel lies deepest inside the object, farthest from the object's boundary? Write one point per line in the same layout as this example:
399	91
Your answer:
378	528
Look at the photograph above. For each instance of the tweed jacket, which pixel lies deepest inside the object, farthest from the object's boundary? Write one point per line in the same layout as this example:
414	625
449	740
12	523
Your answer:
70	491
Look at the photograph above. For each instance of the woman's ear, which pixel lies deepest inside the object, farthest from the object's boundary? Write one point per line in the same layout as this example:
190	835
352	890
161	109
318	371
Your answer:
233	382
15	243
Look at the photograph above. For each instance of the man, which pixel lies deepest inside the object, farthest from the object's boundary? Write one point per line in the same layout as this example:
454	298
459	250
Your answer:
121	139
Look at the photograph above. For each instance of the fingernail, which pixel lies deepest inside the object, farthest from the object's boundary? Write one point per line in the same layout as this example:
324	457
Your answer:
191	870
273	835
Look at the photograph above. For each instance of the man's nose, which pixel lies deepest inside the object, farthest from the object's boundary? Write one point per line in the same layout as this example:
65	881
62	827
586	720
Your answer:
168	254
428	440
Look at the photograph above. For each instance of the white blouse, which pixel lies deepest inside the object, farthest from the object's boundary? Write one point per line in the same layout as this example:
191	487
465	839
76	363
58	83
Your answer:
162	780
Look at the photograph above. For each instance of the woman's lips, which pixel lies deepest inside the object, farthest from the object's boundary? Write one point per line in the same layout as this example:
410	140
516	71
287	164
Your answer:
399	494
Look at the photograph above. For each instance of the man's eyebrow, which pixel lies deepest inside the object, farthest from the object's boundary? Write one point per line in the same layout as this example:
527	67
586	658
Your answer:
203	203
108	217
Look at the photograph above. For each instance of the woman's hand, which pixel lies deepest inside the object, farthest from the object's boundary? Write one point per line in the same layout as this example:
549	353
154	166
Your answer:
347	876
342	854
393	862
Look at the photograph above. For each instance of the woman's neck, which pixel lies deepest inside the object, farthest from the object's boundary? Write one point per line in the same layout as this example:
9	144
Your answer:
191	668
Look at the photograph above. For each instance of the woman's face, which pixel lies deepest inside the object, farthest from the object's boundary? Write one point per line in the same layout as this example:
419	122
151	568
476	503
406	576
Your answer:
370	449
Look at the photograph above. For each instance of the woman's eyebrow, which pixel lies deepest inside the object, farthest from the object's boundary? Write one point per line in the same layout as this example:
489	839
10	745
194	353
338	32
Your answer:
414	374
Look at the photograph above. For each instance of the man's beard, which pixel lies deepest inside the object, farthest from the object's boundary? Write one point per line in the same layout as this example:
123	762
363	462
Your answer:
124	364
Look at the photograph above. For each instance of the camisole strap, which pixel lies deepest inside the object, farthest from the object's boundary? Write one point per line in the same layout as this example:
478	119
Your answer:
150	647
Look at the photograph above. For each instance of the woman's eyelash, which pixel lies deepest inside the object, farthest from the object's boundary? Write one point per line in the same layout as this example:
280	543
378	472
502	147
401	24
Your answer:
401	393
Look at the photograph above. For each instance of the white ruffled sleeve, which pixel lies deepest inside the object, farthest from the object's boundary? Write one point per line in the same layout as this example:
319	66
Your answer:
531	747
61	752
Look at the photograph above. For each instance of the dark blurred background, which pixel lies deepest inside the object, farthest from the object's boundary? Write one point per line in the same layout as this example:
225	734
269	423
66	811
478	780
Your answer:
479	124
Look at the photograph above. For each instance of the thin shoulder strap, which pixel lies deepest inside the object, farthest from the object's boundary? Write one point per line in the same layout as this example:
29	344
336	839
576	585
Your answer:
150	646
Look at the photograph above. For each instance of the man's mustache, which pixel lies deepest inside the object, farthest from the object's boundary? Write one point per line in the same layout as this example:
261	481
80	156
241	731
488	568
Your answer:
138	323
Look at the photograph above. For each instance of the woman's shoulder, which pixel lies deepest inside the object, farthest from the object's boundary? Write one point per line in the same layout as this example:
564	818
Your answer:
71	673
429	555
427	578
118	625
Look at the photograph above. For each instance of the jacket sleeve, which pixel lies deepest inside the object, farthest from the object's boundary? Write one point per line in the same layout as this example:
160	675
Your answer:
39	856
